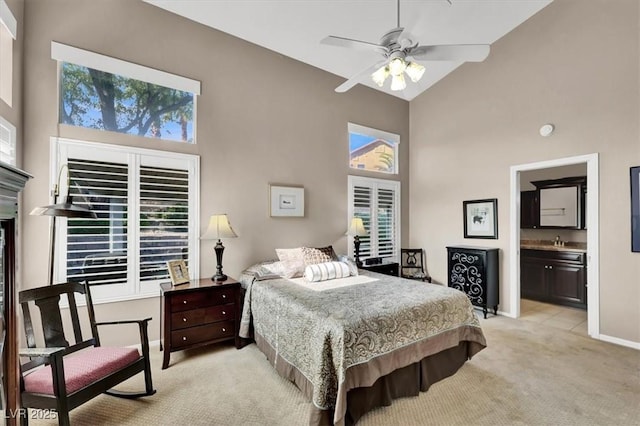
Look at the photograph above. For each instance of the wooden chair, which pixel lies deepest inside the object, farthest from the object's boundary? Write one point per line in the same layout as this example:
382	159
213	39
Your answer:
74	373
412	265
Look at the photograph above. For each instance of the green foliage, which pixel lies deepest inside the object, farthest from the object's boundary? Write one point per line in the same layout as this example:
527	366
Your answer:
100	100
386	158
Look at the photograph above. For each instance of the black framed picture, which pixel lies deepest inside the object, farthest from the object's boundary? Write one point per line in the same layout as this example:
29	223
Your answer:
481	218
635	209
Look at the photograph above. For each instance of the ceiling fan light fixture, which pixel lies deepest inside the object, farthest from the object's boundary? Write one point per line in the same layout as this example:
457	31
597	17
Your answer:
397	82
397	66
380	75
415	71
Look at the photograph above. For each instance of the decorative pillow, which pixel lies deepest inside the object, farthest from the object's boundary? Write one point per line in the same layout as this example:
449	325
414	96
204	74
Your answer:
318	255
260	271
326	271
294	259
353	268
286	268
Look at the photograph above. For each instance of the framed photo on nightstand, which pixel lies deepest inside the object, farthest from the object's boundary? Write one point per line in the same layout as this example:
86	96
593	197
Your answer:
178	271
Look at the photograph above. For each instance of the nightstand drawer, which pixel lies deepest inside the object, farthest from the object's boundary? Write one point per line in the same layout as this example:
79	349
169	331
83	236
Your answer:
203	333
188	301
185	319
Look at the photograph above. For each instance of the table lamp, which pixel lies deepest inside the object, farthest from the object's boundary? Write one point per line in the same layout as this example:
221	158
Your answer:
357	230
219	227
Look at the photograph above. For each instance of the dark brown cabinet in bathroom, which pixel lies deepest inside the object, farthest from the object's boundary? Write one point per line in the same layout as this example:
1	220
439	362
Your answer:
558	277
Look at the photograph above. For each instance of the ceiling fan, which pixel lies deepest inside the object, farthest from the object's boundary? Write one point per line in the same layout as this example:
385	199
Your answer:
400	52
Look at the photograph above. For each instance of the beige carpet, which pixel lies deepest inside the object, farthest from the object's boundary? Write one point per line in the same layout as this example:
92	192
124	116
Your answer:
530	374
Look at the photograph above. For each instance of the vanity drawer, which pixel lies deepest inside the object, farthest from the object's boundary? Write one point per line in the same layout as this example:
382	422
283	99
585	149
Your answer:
202	333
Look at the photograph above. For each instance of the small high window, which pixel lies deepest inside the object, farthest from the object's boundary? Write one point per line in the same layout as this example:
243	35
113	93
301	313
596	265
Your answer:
372	149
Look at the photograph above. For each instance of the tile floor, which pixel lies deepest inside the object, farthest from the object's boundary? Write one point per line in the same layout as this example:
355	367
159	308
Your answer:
564	317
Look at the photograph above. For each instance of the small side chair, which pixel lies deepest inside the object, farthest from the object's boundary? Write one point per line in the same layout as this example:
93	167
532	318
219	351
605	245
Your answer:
412	265
62	376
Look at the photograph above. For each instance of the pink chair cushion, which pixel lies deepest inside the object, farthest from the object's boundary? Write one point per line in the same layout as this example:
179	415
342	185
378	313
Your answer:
82	369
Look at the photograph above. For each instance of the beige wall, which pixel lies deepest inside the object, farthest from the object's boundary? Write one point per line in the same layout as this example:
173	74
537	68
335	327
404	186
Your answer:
262	118
574	64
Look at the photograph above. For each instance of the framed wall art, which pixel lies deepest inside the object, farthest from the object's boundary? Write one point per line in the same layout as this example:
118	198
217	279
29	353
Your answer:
178	271
481	218
635	209
287	201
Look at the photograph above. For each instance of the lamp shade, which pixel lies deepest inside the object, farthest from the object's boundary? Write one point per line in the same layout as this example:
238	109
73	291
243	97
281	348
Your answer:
357	228
66	209
219	227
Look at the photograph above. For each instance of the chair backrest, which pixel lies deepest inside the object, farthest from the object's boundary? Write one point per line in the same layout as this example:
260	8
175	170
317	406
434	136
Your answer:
411	261
47	299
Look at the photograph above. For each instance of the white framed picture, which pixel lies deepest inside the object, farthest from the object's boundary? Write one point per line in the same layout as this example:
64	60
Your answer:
287	201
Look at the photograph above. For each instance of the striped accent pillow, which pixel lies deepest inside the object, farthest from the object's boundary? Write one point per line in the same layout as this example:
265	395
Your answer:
326	271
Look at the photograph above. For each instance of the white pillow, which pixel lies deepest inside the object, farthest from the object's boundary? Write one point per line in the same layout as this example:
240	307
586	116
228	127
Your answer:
353	268
294	258
286	268
326	271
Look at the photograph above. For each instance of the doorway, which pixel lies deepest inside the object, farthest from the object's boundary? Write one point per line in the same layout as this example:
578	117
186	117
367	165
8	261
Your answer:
593	255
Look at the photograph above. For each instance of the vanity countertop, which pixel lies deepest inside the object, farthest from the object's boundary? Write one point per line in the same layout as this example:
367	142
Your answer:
548	245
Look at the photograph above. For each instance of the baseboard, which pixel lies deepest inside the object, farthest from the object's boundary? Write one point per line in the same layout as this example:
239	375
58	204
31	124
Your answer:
618	341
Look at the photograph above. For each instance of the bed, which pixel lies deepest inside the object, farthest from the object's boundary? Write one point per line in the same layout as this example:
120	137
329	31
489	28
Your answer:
356	343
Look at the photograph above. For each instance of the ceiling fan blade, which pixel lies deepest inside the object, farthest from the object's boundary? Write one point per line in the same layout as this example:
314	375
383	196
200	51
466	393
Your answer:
452	52
350	43
355	79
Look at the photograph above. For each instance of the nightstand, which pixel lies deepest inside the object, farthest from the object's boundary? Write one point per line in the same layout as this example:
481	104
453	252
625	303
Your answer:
387	268
198	313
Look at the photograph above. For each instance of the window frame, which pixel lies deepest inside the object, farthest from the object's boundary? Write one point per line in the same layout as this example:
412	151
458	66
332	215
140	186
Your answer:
8	33
63	53
375	184
379	134
134	288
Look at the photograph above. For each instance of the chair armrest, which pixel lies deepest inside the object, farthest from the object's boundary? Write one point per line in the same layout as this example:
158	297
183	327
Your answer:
124	322
40	352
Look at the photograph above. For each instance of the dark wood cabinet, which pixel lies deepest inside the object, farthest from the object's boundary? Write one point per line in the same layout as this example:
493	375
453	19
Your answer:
12	181
474	270
199	313
529	210
387	268
554	276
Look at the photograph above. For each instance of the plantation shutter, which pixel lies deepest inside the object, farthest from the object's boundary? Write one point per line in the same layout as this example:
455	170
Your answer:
7	143
164	219
97	248
386	222
362	202
377	202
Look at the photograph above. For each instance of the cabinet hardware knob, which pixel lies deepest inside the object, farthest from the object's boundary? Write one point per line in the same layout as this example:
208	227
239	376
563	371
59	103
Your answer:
224	296
224	329
224	313
184	338
184	319
184	301
550	267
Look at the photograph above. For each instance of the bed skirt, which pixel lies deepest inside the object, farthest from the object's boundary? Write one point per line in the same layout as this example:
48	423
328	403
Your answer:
402	382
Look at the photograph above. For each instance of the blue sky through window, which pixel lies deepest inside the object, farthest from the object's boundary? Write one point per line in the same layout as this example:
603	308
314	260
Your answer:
357	140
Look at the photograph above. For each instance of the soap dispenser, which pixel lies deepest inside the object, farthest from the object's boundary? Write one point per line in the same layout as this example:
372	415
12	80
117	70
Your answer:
557	242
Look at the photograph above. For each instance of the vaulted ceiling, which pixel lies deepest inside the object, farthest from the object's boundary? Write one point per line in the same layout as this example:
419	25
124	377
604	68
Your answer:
295	28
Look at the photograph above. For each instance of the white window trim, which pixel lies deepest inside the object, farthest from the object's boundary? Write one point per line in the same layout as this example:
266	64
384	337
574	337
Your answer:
376	183
12	138
380	134
59	153
63	53
8	20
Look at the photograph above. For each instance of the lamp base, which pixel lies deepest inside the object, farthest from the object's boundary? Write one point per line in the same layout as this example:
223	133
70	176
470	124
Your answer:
218	278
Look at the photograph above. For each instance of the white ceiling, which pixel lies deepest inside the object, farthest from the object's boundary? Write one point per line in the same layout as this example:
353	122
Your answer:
295	27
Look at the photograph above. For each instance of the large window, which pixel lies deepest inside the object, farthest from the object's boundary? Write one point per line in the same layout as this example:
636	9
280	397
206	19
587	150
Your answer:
372	149
147	214
104	93
7	142
8	31
377	202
